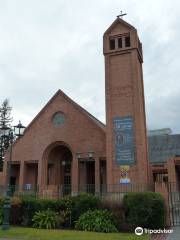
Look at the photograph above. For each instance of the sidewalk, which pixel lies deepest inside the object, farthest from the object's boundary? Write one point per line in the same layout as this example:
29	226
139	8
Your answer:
175	235
159	237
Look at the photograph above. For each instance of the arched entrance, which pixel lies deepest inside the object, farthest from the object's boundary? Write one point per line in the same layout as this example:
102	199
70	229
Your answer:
59	169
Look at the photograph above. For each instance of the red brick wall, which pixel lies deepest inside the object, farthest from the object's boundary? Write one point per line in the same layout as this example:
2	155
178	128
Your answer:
79	132
125	97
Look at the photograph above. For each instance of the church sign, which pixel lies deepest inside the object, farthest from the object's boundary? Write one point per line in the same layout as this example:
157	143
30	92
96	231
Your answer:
124	174
124	140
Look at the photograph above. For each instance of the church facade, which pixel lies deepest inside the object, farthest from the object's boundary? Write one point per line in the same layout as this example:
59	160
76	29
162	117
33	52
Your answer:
66	150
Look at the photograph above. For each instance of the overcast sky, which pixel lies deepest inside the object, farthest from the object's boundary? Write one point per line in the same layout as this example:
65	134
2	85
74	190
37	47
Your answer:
46	45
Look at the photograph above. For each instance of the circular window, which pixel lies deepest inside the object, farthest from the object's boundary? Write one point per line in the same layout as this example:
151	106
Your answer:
58	119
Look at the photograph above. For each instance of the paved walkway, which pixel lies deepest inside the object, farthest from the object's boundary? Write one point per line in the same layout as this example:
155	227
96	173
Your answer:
158	237
175	235
172	236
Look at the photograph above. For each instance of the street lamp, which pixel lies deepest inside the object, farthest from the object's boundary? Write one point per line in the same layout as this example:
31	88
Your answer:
19	129
8	135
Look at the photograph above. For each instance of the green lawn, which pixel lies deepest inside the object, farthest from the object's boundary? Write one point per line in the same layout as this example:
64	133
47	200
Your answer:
38	234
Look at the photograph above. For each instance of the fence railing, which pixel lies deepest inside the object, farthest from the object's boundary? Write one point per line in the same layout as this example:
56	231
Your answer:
13	190
174	202
109	191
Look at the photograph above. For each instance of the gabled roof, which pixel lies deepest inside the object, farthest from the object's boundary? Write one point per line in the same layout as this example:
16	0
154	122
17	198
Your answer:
118	21
60	92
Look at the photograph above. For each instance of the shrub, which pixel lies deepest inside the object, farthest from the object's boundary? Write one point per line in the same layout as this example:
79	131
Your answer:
16	213
1	202
117	209
145	209
81	204
45	219
16	201
97	221
69	209
63	219
1	216
32	205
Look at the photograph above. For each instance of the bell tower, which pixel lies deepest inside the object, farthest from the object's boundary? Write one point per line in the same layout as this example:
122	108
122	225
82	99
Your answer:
126	140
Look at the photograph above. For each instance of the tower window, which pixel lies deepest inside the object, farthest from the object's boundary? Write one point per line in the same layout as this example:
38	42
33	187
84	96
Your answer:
127	41
112	44
119	42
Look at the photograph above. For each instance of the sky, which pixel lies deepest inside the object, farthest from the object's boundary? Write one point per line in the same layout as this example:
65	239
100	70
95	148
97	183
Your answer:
46	45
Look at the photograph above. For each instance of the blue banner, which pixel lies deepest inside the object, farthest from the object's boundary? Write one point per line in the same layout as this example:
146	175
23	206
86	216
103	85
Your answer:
124	140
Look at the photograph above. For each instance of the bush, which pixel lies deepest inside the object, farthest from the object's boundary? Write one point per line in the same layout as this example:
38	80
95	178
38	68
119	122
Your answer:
81	204
31	205
145	209
16	213
1	202
69	208
117	209
1	209
45	219
1	216
97	221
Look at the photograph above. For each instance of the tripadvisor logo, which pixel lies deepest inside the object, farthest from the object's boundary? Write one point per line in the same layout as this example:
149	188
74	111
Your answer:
139	231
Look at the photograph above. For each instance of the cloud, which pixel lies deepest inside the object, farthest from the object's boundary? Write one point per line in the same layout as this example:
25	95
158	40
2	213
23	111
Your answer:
50	45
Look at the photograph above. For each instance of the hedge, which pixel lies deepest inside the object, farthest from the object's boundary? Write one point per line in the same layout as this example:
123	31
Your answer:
145	209
24	208
83	203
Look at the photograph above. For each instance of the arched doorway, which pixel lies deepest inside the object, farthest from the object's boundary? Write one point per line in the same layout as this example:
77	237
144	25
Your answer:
59	169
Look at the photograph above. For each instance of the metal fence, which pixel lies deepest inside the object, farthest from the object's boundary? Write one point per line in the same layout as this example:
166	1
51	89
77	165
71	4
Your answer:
114	192
174	203
13	190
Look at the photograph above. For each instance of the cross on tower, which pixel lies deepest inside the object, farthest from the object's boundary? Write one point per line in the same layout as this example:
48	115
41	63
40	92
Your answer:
121	15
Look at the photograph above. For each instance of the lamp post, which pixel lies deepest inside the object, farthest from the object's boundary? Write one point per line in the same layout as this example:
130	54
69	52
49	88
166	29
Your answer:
8	135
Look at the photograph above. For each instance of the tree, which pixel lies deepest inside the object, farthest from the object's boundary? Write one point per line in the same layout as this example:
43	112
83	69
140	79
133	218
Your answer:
5	114
5	121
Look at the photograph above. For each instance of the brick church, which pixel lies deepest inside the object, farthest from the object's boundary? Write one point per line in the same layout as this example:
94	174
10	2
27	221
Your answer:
66	150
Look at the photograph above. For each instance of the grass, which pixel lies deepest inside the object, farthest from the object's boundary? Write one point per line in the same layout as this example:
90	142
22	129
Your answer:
40	234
